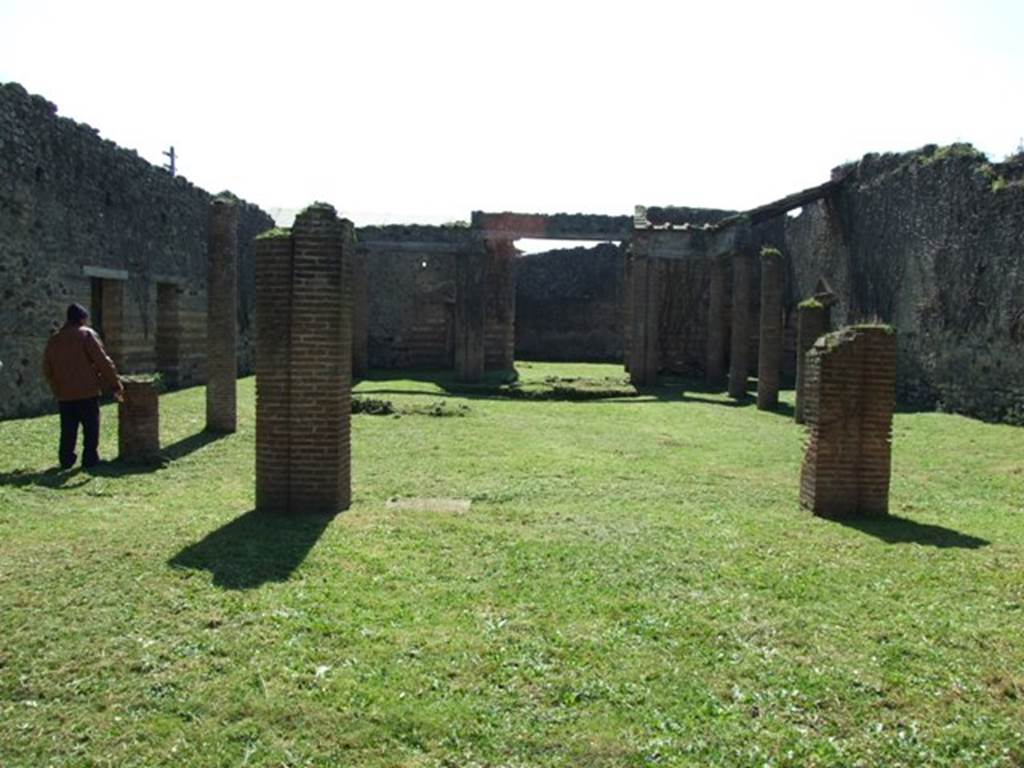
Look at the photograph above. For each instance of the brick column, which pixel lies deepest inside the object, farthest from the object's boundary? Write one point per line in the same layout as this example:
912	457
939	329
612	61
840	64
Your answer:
471	268
500	335
739	346
138	423
222	317
718	323
769	354
304	365
850	386
644	299
811	322
272	256
360	317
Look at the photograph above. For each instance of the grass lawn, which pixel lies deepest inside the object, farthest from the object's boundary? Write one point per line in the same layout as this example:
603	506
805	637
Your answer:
633	584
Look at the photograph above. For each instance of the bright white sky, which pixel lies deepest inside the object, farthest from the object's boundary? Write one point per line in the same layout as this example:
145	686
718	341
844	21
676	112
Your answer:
424	111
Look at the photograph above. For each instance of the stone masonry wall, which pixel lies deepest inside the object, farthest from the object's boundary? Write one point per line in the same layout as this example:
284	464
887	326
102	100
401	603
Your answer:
70	200
931	242
569	304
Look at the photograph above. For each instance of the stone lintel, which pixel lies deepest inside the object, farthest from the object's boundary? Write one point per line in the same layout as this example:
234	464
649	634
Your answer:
105	273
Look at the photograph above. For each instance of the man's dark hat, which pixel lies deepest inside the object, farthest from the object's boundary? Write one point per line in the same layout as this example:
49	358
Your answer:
77	313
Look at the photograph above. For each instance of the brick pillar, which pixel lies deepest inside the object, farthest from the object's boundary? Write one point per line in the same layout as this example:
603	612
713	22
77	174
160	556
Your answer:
271	361
769	354
304	365
360	315
645	302
138	423
222	317
500	339
811	322
739	346
718	323
471	268
627	307
850	386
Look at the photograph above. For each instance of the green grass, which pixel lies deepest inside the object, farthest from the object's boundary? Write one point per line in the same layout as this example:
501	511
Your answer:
634	584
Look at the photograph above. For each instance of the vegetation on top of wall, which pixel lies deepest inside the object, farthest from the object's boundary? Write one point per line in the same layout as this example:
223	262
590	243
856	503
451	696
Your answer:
770	252
274	232
317	205
811	303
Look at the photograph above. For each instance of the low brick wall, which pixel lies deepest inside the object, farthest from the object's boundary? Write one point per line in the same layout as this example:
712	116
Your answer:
850	387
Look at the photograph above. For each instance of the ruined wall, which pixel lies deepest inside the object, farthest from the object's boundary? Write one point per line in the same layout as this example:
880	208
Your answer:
932	242
569	304
410	284
71	202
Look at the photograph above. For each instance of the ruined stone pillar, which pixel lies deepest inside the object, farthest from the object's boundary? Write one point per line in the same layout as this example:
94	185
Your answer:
304	365
850	388
811	322
500	338
769	354
718	323
138	423
471	268
360	316
222	317
739	346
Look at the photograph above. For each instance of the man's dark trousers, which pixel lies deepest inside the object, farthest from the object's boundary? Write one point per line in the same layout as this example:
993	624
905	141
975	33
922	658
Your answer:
72	413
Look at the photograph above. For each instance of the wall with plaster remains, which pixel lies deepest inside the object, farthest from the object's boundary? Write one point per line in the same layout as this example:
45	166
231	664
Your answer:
932	242
70	200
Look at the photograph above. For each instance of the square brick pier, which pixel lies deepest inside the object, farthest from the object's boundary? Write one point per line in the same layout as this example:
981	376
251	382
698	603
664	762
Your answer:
303	364
850	395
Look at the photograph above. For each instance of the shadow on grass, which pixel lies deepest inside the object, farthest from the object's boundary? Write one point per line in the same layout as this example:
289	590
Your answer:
55	478
254	549
168	454
900	530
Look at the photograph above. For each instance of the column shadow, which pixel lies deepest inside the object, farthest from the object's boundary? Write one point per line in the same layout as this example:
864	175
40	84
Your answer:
254	549
55	478
893	529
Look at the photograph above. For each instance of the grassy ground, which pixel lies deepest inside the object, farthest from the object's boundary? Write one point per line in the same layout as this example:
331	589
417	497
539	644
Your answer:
634	584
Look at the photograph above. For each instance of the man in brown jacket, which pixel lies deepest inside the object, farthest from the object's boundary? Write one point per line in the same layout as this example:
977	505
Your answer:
74	364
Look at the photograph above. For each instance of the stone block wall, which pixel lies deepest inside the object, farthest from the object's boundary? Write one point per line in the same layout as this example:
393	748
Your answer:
71	201
850	395
304	365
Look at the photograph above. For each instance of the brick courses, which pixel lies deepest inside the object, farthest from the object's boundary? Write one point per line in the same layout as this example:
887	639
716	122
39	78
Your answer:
718	322
770	330
850	386
222	317
304	365
138	423
812	322
739	346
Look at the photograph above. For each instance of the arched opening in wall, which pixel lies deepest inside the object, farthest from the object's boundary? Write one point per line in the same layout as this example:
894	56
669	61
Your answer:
569	300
